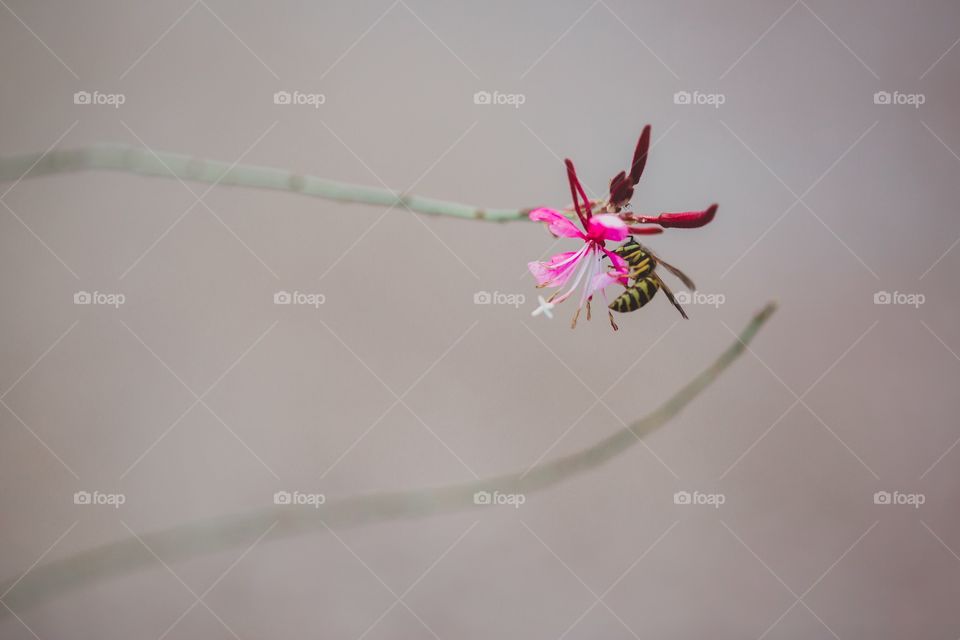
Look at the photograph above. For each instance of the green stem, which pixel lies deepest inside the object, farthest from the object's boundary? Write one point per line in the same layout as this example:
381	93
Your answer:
164	164
216	534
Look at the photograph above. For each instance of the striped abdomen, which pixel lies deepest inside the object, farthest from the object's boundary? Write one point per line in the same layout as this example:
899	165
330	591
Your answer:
637	295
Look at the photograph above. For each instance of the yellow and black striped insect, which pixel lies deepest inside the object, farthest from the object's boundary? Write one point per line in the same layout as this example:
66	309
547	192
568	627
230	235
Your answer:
646	282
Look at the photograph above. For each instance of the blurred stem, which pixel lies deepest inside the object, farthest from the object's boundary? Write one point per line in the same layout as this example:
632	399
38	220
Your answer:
164	164
216	534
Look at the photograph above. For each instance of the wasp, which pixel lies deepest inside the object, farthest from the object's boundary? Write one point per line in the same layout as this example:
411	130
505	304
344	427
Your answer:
646	282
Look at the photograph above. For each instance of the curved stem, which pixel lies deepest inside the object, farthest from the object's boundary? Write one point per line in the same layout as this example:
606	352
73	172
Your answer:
164	164
216	534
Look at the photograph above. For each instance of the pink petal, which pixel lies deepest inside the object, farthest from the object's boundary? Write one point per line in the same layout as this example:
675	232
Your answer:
556	271
587	263
606	226
620	268
646	231
557	223
619	264
601	281
684	220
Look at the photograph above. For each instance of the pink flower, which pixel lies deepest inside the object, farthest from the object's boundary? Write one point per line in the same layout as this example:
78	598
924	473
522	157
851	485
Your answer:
602	220
583	267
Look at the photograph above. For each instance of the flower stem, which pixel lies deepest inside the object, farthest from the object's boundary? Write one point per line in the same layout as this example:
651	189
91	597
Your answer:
216	534
164	164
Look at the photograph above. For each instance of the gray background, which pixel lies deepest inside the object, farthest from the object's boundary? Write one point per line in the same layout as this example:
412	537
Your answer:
841	399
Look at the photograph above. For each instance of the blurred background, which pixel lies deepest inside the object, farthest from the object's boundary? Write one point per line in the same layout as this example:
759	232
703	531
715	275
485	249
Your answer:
828	134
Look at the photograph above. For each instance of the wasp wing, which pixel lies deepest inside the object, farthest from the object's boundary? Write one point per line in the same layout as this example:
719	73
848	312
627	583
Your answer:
670	297
687	282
